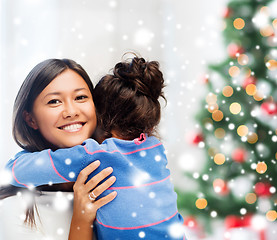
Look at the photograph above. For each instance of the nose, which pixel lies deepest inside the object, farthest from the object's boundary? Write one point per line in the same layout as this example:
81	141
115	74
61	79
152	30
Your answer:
70	110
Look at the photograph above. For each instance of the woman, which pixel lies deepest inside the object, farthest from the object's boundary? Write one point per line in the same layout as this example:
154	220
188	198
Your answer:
64	91
128	115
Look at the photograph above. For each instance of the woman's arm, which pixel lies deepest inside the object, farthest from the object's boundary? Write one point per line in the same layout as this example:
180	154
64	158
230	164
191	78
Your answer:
84	209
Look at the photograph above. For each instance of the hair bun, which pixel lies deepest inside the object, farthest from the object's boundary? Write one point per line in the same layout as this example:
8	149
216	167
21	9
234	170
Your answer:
144	77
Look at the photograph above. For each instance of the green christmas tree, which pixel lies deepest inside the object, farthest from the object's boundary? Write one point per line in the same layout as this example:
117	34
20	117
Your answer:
239	121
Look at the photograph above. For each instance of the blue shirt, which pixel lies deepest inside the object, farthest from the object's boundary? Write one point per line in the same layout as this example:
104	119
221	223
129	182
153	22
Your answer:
145	206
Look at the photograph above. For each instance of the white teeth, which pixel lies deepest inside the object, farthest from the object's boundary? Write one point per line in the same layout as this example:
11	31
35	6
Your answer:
72	127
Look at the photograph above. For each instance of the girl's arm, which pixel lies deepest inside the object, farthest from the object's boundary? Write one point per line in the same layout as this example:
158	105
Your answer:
50	167
84	209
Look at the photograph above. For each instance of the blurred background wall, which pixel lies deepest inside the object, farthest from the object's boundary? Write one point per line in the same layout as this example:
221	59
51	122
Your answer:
182	35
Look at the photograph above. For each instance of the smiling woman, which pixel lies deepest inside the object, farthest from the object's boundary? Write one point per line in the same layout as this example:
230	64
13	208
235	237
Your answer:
64	111
54	109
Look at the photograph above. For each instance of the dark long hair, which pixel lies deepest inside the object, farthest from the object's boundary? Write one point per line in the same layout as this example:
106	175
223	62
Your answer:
39	77
25	136
130	105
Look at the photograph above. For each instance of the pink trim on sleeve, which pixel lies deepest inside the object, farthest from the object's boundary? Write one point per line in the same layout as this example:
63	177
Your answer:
53	166
15	176
137	227
127	153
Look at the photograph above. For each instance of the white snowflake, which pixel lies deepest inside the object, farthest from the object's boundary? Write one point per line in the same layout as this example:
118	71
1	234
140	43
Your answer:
67	161
176	230
142	234
71	174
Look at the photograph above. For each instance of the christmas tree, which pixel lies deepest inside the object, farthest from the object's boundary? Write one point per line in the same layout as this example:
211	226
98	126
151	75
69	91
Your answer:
238	122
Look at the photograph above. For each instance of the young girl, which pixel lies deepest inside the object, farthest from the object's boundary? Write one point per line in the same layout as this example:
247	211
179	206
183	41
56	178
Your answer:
55	97
128	112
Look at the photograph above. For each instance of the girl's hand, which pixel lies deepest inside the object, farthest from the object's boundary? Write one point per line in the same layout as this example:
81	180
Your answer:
85	207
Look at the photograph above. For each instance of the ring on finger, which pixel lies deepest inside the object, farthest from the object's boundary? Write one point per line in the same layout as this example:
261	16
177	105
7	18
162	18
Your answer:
91	196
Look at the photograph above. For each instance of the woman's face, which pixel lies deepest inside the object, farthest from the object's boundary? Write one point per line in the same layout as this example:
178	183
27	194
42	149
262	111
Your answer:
64	111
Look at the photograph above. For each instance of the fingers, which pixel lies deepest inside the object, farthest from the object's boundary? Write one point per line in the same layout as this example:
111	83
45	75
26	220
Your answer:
82	189
92	183
83	175
104	186
104	200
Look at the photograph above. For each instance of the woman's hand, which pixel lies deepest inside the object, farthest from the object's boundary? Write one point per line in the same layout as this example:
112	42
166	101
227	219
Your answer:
85	207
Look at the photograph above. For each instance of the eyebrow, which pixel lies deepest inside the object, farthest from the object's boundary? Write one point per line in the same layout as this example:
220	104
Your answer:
59	93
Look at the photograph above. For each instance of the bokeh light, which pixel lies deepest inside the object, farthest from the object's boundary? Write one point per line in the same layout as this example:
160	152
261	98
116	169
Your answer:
234	71
235	108
251	198
219	133
219	158
251	89
271	65
217	115
211	98
271	215
243	59
242	130
261	167
227	91
212	107
252	138
201	203
239	23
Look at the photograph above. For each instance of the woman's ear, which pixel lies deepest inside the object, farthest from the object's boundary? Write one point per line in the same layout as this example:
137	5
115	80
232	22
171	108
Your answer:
29	119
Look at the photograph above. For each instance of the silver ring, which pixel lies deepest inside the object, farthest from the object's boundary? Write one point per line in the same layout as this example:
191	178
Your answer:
91	196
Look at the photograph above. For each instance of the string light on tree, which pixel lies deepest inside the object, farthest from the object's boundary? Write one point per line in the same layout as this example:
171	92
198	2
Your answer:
239	23
251	198
261	167
201	203
239	121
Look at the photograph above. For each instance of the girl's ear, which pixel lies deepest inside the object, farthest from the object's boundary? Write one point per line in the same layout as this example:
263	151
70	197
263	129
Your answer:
29	119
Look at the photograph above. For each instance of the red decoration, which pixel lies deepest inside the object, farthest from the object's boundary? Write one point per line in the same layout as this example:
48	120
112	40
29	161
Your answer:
233	221
227	12
262	189
249	80
220	187
204	79
190	222
239	155
197	138
269	108
192	226
234	49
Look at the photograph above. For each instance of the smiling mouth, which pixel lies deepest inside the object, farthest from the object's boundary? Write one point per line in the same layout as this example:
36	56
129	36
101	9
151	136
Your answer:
74	127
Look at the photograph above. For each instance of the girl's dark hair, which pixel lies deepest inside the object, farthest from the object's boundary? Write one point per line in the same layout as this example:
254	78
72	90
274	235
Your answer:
39	77
127	100
26	137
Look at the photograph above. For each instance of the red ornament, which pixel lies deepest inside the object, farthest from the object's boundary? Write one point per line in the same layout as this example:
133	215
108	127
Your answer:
227	12
269	108
220	187
239	155
190	222
234	49
233	221
204	79
197	138
249	80
262	189
194	227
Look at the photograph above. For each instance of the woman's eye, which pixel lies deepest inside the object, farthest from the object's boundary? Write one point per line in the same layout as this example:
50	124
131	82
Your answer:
81	97
54	101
